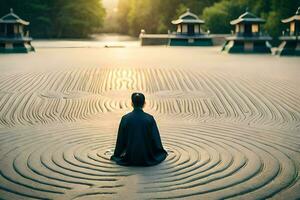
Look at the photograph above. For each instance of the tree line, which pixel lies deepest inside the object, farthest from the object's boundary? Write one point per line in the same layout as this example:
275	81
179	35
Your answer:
80	18
155	16
58	18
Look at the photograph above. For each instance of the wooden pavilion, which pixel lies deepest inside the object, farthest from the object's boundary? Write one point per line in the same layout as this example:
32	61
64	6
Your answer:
189	32
12	34
248	37
290	44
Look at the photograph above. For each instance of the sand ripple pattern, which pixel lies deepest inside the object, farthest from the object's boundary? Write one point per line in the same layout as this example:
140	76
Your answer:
41	98
206	161
228	136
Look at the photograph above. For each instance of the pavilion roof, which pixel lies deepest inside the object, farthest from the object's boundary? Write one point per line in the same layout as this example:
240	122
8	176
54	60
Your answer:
188	18
12	18
296	17
247	17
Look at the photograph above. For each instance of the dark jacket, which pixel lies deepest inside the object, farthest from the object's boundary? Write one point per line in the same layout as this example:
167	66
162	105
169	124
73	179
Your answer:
138	141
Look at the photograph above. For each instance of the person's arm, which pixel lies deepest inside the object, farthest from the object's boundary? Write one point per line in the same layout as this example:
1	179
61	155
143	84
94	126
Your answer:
121	140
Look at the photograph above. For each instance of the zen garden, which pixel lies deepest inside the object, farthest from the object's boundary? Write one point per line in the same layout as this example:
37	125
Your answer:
150	99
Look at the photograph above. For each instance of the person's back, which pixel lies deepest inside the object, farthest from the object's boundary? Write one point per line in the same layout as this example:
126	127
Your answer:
138	141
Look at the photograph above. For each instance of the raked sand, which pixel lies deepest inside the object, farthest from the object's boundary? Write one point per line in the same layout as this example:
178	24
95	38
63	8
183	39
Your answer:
230	123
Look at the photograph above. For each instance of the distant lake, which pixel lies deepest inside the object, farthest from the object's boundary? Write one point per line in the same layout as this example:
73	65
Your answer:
96	41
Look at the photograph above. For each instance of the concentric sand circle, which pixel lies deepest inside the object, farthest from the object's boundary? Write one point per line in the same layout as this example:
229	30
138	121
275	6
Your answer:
227	137
205	160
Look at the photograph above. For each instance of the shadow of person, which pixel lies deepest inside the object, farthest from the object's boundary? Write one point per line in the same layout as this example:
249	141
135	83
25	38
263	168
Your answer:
138	142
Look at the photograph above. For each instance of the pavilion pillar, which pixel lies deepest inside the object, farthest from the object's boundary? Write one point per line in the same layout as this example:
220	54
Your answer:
5	29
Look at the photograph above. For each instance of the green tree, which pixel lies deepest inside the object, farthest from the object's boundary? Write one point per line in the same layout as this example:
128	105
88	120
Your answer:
218	16
78	19
123	10
154	16
280	9
58	18
273	11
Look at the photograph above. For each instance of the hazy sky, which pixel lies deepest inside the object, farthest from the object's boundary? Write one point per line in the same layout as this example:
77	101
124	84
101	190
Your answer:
110	4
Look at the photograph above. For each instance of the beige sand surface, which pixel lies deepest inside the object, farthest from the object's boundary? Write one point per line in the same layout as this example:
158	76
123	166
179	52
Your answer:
231	123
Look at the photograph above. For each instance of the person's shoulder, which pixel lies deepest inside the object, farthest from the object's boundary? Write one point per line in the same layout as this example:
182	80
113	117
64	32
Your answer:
149	116
126	115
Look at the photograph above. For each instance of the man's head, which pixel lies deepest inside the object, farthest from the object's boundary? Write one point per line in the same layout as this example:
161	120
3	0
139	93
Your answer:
138	100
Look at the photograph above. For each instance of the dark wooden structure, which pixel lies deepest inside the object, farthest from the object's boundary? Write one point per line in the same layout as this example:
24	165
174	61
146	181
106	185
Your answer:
189	32
290	44
12	34
248	36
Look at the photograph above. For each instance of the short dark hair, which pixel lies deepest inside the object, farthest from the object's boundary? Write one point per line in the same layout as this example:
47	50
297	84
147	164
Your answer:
138	100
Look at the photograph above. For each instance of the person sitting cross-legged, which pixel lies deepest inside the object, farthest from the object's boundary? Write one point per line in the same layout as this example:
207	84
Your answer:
138	142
